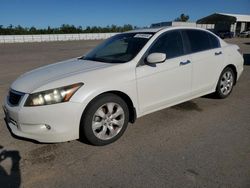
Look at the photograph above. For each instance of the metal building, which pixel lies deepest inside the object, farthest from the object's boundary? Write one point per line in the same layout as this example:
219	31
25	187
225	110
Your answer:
173	23
186	24
223	22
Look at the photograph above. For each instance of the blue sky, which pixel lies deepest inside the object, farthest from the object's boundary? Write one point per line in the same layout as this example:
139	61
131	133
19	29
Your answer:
43	13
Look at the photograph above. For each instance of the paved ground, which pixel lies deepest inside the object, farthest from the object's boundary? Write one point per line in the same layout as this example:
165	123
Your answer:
201	143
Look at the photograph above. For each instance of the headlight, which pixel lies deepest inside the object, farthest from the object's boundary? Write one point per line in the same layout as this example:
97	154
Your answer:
53	96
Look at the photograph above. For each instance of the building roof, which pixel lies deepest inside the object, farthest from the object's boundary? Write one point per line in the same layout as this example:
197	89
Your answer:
218	17
239	17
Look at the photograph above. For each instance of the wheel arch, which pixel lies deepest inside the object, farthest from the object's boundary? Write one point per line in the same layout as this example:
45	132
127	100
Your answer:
233	67
122	95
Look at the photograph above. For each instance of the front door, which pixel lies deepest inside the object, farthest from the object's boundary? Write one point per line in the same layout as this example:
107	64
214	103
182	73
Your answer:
166	83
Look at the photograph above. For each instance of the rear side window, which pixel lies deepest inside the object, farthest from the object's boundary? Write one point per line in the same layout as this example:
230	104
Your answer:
169	43
201	40
214	42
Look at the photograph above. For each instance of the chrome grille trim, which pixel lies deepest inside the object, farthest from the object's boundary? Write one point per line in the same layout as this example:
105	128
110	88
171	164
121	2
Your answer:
15	97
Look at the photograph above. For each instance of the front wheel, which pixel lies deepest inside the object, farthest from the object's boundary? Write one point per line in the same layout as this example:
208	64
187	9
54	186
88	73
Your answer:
105	120
225	83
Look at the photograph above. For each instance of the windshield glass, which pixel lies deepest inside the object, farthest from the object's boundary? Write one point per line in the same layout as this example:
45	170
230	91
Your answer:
120	48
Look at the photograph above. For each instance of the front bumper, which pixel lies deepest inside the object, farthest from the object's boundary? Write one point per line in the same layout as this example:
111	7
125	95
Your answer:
47	124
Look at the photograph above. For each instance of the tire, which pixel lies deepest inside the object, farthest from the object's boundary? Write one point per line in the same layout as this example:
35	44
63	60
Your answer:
104	120
225	83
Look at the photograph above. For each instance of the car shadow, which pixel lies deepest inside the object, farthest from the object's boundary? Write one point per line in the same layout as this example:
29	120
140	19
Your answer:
187	106
12	179
246	59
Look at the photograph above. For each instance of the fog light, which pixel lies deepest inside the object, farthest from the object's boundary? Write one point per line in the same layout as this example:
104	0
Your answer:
47	127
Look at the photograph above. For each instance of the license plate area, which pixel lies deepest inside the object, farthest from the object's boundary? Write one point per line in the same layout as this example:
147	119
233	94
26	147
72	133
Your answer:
6	113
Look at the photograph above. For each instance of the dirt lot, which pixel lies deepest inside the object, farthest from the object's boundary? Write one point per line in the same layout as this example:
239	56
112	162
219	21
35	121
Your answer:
201	143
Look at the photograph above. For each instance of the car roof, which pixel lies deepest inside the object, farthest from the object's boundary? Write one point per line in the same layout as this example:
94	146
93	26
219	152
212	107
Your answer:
147	30
155	30
163	29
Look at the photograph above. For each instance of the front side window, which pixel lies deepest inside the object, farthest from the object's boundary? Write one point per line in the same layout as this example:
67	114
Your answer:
120	48
169	43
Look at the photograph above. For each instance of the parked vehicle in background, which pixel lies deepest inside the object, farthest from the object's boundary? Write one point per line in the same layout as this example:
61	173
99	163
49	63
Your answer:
245	34
225	34
127	76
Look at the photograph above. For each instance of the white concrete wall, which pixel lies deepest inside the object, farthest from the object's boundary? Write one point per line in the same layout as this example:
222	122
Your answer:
53	37
243	26
187	24
193	24
205	26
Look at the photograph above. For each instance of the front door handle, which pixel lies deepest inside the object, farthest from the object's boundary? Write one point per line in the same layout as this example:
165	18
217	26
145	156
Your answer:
185	62
218	53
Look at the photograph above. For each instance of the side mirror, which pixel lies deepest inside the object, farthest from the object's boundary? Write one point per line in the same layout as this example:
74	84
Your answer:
156	58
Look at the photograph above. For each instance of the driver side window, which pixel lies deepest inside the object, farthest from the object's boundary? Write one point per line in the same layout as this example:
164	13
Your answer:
169	43
117	47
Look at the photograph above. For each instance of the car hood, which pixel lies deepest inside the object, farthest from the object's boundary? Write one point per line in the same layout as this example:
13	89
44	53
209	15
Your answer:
36	78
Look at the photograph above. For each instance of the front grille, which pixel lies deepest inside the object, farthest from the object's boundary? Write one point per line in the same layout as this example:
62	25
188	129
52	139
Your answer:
15	97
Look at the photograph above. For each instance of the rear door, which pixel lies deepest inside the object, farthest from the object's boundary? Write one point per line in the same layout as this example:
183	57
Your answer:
207	60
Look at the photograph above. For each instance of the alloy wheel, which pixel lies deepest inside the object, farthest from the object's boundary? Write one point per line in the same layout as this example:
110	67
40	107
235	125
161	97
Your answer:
108	121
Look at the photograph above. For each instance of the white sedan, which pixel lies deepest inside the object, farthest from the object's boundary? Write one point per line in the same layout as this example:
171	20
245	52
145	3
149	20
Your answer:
128	76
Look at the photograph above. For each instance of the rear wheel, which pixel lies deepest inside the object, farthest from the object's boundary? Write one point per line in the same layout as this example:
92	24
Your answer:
225	83
105	120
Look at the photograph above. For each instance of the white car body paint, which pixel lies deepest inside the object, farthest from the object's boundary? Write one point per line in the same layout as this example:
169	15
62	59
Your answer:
149	88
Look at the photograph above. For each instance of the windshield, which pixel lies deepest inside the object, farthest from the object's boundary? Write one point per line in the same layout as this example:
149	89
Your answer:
120	48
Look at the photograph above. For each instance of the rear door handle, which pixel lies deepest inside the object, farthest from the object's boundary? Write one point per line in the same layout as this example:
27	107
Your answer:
185	62
218	53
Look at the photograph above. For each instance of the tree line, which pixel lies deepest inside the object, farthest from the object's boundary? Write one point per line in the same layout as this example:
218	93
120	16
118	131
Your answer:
67	28
64	29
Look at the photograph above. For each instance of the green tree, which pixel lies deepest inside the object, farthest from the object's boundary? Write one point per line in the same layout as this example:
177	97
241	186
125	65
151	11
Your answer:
65	28
182	18
32	30
127	27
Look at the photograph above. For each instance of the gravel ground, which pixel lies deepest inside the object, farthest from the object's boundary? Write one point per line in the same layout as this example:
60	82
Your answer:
200	143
